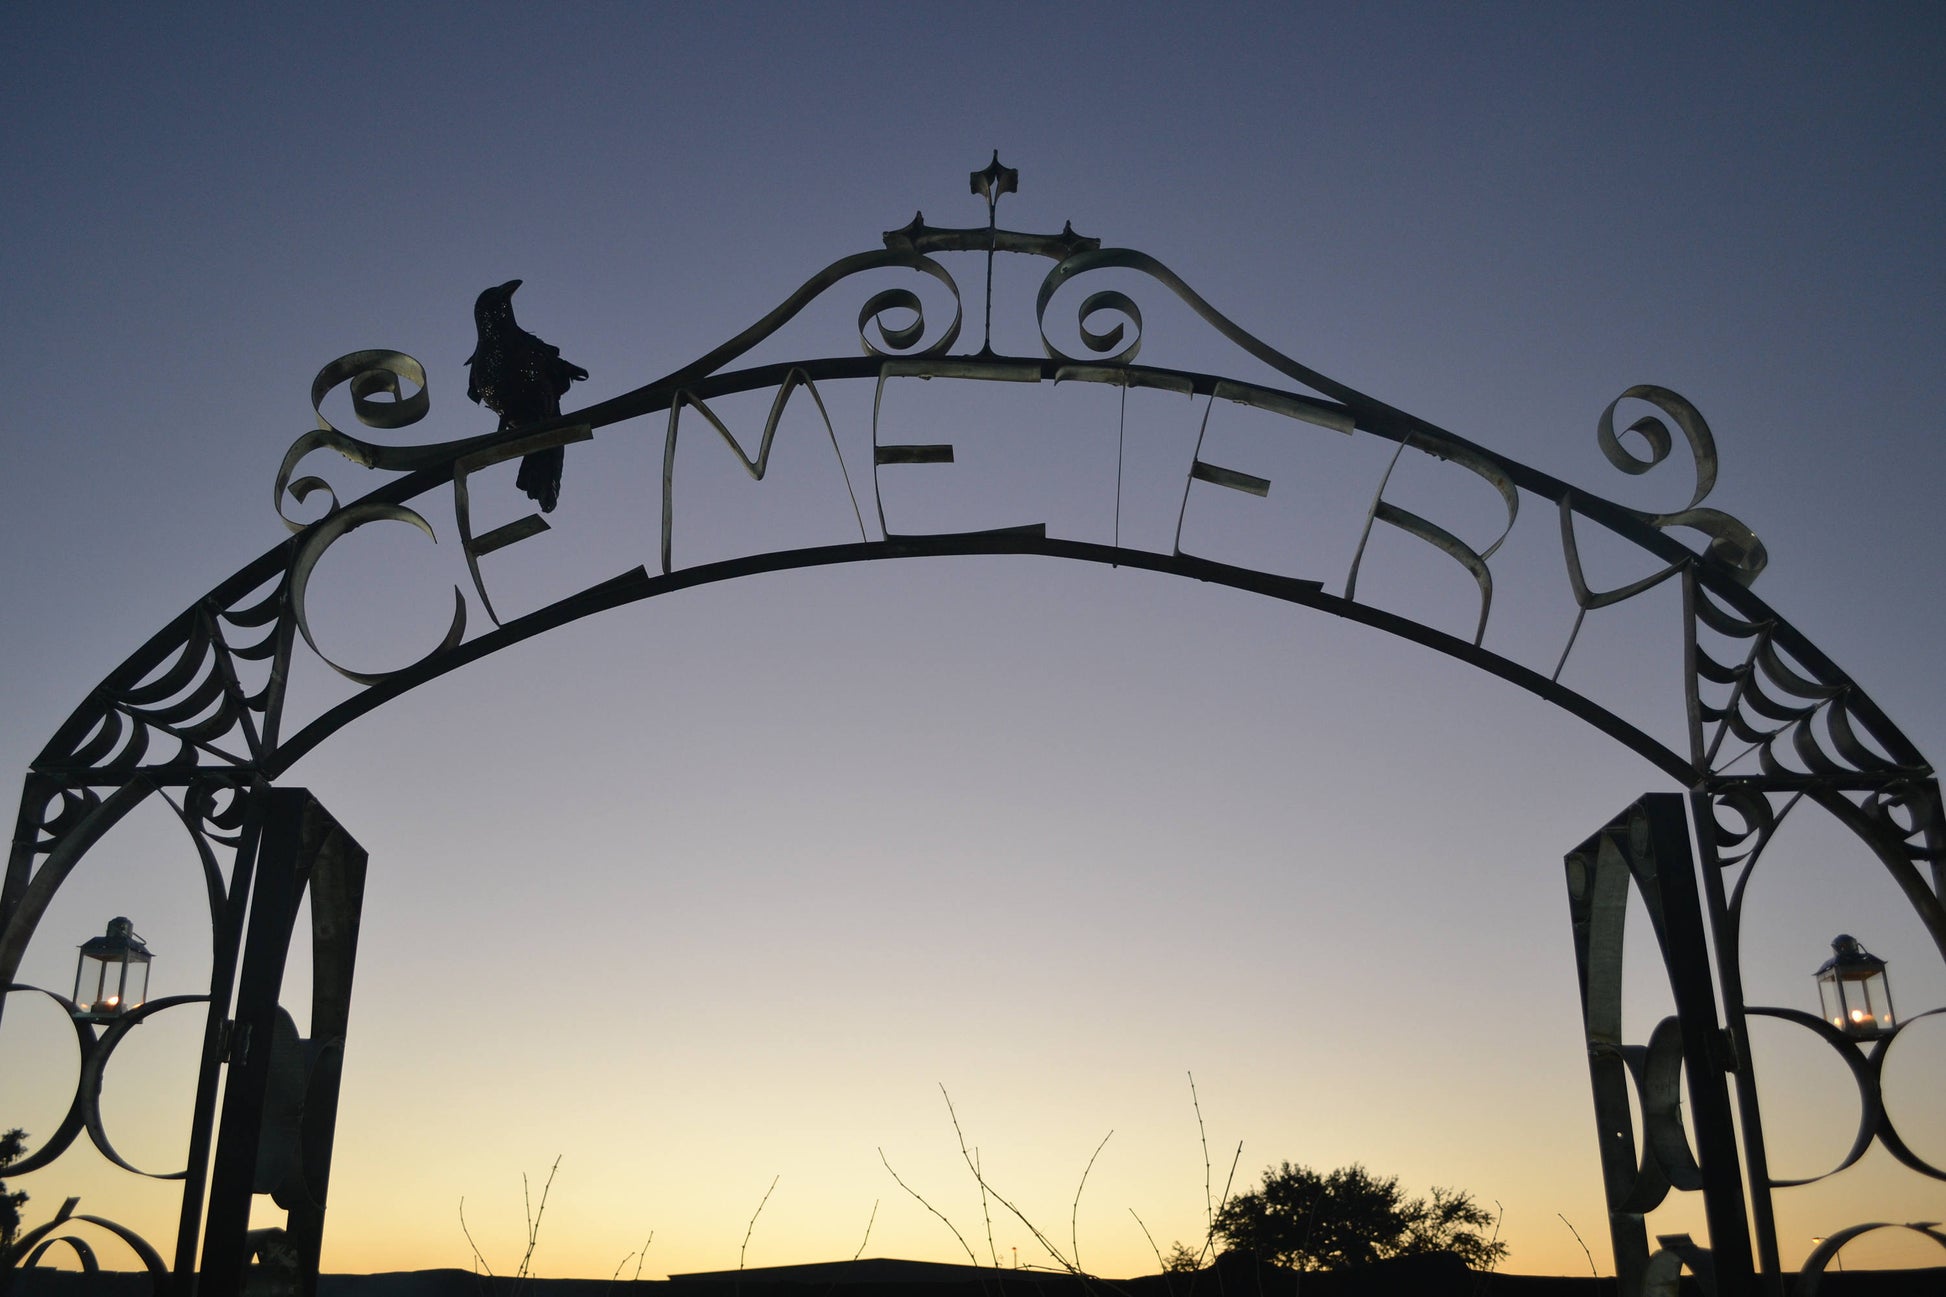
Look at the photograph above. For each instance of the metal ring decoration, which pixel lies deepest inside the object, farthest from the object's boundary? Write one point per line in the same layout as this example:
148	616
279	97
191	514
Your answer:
84	1110
1664	1159
1658	1086
1867	1073
320	538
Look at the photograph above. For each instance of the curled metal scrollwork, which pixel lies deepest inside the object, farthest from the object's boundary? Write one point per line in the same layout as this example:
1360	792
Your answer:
1731	543
33	1244
1811	1276
1101	341
906	339
366	373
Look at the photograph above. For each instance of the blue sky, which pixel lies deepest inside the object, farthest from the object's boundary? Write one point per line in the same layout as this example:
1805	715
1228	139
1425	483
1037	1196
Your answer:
723	886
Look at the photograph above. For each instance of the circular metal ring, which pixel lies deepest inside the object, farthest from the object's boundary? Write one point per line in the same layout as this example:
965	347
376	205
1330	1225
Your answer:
1867	1069
84	1111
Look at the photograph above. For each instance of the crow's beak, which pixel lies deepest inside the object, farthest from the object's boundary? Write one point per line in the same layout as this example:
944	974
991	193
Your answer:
507	288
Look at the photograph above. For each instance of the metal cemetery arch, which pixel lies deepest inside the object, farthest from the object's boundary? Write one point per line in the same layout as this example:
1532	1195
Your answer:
197	716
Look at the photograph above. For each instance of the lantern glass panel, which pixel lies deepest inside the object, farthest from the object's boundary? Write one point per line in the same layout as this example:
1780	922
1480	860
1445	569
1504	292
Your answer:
1874	1002
1832	997
135	984
89	974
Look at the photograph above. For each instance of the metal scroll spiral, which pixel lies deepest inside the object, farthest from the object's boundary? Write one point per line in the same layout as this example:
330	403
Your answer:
1107	343
1108	340
1731	543
905	339
367	374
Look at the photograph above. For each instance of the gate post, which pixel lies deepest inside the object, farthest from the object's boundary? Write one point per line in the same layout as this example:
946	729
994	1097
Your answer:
1646	848
280	1104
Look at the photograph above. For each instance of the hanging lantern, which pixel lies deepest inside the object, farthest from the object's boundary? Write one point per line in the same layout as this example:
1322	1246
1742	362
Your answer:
112	975
1853	989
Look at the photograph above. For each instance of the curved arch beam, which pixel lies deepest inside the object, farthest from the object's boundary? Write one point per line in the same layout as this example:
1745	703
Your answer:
637	585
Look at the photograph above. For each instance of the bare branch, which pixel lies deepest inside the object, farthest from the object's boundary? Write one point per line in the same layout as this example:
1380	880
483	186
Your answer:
1074	1212
1584	1247
868	1230
986	1189
534	1220
752	1227
478	1260
1159	1264
929	1207
972	1164
1202	1133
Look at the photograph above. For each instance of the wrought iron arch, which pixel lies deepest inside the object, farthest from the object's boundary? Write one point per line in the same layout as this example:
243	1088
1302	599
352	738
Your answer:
197	714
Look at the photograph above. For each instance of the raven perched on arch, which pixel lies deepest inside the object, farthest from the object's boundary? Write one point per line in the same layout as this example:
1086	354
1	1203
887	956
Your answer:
521	379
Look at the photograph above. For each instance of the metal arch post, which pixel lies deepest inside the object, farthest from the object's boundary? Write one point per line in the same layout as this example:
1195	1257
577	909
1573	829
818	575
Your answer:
1723	926
1647	848
280	1102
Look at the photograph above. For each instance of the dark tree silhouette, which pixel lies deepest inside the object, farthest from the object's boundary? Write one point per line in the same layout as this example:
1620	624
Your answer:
12	1144
1350	1217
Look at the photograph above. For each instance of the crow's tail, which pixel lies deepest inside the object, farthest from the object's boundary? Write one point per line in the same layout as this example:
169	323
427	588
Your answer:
540	476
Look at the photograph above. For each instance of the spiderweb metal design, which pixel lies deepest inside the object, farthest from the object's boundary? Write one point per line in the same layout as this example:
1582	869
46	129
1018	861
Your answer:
200	717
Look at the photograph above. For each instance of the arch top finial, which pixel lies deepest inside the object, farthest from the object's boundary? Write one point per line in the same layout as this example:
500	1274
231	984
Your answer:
993	181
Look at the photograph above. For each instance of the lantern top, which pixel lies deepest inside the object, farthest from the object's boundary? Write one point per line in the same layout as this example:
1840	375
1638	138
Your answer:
1850	960
120	942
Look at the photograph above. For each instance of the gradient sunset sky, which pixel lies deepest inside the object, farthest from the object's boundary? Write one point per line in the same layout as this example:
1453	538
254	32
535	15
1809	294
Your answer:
723	887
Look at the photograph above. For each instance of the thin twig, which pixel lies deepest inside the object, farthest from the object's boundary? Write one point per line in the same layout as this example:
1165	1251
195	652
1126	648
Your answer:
1209	1244
985	1189
1203	1134
1074	1212
534	1221
1584	1247
477	1259
1161	1266
986	1212
973	1163
642	1256
752	1227
929	1207
1493	1262
1039	1237
1231	1178
868	1232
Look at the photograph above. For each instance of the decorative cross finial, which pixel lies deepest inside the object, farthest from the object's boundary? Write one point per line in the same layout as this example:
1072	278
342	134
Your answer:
989	184
994	181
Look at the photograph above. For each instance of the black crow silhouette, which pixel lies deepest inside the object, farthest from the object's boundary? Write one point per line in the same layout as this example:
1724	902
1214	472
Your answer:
521	379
